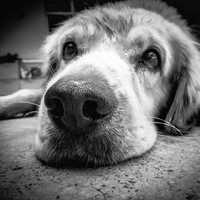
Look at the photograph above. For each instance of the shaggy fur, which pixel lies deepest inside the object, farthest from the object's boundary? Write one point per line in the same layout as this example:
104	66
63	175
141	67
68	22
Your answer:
111	40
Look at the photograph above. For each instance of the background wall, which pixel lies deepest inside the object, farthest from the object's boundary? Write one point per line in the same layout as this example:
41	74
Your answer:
24	26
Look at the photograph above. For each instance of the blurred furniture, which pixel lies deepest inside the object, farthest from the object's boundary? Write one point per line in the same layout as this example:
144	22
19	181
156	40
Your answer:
19	75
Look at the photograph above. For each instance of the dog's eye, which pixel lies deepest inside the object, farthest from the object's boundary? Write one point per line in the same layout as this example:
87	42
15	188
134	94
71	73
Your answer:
70	50
151	59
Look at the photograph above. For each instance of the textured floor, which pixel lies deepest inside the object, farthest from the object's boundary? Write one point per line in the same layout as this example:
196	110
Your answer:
170	171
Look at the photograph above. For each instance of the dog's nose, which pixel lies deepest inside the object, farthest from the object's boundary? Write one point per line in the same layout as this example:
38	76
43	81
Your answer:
79	104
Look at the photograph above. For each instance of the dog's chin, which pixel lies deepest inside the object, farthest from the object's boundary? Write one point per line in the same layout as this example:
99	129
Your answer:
109	143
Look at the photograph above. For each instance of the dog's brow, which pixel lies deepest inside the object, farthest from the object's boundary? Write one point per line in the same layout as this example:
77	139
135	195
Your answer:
112	25
81	30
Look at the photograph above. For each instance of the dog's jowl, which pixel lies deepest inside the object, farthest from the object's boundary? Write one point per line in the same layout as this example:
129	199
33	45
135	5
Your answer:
112	71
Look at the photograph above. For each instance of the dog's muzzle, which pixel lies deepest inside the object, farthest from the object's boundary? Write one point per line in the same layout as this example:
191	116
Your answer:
76	104
92	113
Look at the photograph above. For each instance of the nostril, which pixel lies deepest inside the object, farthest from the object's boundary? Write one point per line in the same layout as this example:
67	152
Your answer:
90	110
55	106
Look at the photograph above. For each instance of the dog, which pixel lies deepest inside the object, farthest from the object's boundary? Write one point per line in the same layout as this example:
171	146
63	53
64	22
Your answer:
113	73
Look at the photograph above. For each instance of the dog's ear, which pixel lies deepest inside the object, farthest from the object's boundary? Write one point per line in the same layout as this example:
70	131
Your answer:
185	102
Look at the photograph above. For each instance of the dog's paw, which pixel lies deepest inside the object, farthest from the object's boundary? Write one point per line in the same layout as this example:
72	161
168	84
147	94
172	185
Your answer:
19	104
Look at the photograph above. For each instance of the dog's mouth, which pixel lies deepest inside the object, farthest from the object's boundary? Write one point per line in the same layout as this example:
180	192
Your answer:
103	142
89	139
84	149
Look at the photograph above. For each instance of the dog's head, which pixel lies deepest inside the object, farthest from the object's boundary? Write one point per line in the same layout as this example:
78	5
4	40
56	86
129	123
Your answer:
111	71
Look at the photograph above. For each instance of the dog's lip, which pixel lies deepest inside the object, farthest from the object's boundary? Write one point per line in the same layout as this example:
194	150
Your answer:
61	126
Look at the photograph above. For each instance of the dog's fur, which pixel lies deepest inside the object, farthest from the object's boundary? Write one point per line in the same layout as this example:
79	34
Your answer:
110	39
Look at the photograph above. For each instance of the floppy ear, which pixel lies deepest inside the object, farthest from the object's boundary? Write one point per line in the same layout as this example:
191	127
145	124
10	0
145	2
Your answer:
185	104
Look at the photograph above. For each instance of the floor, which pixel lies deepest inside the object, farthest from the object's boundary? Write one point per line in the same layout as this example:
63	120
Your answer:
170	171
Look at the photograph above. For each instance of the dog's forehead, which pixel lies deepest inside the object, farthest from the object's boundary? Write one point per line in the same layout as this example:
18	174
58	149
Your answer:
110	21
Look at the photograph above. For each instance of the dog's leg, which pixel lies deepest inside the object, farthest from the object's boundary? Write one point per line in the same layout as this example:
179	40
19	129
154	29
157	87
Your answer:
19	103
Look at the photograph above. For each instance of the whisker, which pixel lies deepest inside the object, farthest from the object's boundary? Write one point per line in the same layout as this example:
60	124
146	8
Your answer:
27	102
31	112
161	120
169	125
